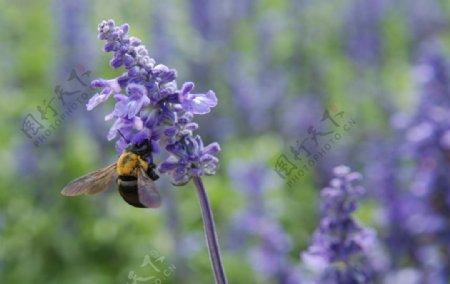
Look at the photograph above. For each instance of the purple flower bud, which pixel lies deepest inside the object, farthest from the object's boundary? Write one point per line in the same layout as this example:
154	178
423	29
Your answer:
135	41
116	62
124	28
128	61
110	46
123	80
211	149
133	71
191	126
99	98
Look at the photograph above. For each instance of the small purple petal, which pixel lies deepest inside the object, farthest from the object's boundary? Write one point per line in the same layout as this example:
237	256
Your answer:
186	118
118	124
167	116
120	107
199	142
211	149
99	98
198	103
120	145
137	90
139	137
155	145
137	122
113	84
167	166
134	106
187	88
195	172
191	126
206	158
180	175
170	131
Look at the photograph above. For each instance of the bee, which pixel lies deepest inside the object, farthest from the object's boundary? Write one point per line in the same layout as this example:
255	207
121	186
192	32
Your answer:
134	176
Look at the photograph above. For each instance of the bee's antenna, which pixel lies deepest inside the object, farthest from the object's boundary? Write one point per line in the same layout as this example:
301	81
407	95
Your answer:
126	140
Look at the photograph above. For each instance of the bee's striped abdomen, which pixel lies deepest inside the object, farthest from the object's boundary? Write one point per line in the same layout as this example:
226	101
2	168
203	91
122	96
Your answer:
129	191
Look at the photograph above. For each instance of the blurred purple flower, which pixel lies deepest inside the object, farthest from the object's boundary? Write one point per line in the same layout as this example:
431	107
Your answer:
425	18
426	141
268	256
339	245
385	178
363	31
73	35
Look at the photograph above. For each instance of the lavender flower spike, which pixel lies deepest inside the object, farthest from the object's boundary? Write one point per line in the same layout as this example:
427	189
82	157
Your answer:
150	107
338	248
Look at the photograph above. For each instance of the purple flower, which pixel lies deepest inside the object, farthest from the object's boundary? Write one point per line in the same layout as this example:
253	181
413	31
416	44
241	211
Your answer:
425	217
268	254
363	32
196	103
271	244
268	258
151	107
189	158
339	245
109	87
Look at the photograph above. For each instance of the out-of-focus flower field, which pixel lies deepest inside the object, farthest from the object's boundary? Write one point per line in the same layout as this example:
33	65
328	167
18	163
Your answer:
303	86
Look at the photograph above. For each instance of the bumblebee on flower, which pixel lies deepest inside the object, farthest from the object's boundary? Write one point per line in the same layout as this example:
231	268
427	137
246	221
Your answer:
150	112
149	106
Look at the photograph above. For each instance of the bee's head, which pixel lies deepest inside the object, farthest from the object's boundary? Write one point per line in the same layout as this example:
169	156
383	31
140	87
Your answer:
143	149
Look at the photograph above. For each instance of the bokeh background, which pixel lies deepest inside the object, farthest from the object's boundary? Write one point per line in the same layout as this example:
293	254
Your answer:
276	67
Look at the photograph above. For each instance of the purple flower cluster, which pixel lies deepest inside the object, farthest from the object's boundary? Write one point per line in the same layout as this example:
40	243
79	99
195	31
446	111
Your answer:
338	249
150	106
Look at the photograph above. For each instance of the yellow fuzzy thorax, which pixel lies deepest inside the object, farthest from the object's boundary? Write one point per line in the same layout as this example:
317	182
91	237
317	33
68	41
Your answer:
128	164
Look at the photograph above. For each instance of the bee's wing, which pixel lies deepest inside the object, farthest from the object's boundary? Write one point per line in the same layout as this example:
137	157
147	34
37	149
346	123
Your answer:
147	192
91	183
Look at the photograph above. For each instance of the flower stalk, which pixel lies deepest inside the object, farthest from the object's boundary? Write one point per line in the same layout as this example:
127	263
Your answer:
210	232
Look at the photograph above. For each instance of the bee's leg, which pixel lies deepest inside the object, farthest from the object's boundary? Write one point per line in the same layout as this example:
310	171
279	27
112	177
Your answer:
151	172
